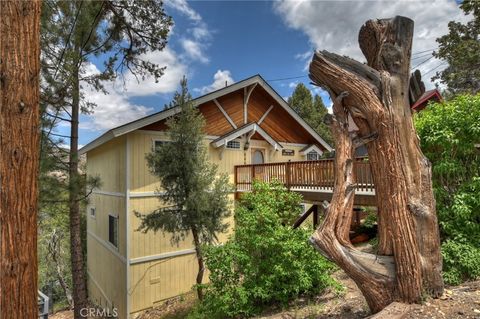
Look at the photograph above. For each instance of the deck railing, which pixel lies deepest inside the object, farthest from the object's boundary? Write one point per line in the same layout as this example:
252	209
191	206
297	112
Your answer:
302	175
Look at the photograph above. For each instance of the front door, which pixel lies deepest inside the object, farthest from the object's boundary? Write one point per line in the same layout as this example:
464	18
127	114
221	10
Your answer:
258	157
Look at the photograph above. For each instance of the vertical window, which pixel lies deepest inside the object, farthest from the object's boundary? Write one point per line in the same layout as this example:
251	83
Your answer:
157	144
92	212
113	230
313	156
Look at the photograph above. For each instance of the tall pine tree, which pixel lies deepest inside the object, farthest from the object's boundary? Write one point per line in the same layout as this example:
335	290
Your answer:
311	109
74	33
194	198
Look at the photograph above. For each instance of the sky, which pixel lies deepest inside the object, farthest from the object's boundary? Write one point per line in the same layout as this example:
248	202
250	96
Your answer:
218	42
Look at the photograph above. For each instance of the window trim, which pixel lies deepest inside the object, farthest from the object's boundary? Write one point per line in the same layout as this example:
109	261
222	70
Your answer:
117	219
234	148
313	152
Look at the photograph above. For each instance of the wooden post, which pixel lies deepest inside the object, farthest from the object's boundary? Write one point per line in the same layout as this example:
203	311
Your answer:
315	216
287	175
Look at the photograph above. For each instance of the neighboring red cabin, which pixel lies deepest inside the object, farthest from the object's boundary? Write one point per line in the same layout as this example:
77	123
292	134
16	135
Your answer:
421	103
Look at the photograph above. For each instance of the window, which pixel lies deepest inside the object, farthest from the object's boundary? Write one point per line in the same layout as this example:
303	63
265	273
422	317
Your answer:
233	145
92	212
113	230
313	156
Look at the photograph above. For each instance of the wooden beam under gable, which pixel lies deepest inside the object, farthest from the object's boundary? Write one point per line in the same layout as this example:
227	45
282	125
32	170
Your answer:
265	114
246	97
229	119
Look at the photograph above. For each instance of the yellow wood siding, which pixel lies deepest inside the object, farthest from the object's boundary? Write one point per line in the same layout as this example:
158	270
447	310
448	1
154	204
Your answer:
108	162
155	281
106	264
153	277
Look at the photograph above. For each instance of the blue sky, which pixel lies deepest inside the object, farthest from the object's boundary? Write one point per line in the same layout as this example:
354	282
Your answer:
217	41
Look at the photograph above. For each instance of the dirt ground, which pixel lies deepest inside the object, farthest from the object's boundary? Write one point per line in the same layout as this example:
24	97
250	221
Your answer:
457	302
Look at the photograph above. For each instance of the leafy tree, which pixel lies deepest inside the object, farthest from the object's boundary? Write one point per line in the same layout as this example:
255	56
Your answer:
265	261
460	48
74	34
195	198
311	109
450	137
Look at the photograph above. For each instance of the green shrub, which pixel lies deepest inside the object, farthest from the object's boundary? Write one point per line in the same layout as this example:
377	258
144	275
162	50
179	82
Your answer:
449	133
265	261
460	261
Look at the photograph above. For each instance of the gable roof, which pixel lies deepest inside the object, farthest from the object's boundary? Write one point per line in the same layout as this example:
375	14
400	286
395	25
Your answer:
251	127
150	119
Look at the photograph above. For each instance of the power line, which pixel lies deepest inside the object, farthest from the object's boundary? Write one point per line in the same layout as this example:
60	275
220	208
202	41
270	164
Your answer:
429	50
289	78
423	62
441	64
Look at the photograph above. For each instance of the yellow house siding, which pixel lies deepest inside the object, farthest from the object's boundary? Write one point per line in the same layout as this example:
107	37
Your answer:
108	162
106	264
152	282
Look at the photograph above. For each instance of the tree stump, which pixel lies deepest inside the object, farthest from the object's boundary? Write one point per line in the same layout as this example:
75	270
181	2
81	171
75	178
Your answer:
376	97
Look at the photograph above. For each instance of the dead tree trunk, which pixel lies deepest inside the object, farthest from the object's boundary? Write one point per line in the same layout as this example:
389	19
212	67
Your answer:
19	156
375	96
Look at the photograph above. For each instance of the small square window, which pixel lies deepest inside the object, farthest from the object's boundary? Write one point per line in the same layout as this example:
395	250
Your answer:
92	212
313	156
233	145
113	230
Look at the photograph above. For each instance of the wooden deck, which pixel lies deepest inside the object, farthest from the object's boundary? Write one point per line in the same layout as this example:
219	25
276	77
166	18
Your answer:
314	179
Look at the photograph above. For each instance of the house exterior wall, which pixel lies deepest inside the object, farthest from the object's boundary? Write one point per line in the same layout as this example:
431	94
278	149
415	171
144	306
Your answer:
106	264
160	269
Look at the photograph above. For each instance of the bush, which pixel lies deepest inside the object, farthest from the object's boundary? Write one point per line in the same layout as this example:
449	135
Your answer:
449	133
265	261
460	261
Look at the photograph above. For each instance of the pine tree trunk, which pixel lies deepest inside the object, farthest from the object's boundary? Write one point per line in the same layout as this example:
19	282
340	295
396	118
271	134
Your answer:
375	96
201	263
19	157
77	258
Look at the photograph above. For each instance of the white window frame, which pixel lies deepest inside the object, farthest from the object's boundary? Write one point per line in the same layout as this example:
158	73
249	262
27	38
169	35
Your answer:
234	148
116	217
313	153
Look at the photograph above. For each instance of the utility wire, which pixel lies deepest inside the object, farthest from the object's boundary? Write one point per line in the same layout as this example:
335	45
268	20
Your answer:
423	62
441	64
289	78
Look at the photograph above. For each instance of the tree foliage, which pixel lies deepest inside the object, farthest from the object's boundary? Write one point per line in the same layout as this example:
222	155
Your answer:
460	48
194	197
450	137
85	43
311	109
266	261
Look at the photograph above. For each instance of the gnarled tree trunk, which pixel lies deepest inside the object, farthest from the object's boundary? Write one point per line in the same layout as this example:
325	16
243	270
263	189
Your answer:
375	96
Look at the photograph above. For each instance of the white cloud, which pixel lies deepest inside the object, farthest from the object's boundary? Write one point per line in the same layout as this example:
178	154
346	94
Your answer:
183	7
168	82
193	50
334	26
293	85
198	39
111	109
219	79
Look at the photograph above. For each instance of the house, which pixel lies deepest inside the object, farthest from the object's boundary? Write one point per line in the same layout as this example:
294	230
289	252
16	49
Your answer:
248	125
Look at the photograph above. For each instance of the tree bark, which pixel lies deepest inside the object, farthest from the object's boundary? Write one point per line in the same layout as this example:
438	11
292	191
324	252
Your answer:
76	250
201	263
19	157
378	103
